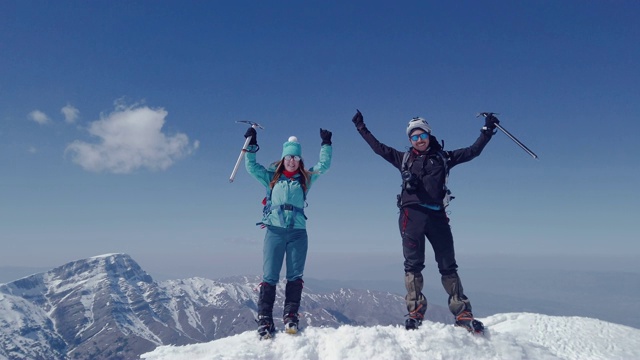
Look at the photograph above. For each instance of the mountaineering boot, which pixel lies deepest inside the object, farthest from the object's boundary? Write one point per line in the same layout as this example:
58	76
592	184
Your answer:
460	305
415	300
292	297
267	297
413	322
291	323
466	320
266	329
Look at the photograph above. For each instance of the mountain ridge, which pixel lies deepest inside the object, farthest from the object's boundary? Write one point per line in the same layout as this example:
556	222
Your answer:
108	307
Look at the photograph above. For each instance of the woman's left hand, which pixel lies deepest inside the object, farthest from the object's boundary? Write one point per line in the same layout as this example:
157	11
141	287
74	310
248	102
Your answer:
325	135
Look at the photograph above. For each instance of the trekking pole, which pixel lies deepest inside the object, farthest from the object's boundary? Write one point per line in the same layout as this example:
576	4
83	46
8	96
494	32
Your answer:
244	148
486	114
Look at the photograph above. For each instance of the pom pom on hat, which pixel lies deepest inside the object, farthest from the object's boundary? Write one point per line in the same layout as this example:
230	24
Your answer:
292	147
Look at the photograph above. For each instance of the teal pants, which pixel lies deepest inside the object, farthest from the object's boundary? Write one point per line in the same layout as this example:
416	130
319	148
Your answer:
281	243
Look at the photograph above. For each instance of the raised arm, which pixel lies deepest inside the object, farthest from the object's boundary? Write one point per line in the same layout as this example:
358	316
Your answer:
388	153
460	156
324	160
253	168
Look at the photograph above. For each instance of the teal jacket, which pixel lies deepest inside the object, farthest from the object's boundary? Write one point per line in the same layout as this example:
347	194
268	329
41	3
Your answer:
287	196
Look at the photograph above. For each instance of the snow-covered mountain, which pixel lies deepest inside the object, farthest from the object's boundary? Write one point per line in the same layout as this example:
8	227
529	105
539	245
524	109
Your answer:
511	336
107	307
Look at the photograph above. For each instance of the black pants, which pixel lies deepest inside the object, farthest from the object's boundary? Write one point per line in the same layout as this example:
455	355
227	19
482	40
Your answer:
416	224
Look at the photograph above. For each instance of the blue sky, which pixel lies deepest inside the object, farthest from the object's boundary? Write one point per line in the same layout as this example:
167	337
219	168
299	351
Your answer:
118	133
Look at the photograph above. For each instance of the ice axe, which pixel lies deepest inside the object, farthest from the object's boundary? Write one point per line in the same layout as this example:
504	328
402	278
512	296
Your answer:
487	114
244	147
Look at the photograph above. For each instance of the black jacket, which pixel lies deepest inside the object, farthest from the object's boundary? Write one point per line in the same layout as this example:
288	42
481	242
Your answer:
428	167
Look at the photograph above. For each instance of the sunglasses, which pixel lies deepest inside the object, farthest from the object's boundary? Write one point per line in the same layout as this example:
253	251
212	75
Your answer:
422	136
295	158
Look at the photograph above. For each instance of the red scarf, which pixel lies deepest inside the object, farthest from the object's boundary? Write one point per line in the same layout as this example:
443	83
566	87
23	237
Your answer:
289	174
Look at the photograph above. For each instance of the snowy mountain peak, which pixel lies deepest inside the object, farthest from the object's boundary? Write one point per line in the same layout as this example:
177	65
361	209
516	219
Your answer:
107	307
78	301
81	276
109	265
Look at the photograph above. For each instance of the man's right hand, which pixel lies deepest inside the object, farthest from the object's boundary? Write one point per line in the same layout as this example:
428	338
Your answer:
358	120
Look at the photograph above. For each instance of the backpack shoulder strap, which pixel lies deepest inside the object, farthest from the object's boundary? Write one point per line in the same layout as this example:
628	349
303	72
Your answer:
445	160
445	156
405	160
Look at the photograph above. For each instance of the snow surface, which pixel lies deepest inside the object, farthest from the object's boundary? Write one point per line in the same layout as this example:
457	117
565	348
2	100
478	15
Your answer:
510	336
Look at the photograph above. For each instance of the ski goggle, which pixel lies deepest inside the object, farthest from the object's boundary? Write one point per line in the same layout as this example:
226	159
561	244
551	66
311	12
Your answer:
295	158
422	136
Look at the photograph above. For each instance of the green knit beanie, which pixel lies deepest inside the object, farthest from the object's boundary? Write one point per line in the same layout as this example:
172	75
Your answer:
291	147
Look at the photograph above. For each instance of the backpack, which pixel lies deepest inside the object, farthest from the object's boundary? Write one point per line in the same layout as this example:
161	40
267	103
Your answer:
267	209
448	196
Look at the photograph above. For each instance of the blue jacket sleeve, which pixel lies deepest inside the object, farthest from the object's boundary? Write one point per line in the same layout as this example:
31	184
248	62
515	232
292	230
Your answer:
324	163
256	170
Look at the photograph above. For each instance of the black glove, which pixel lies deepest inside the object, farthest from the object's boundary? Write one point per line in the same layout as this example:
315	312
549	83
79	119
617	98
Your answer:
251	132
325	135
358	120
490	122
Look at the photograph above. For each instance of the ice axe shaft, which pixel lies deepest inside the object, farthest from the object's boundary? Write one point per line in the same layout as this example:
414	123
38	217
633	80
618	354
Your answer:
235	168
244	149
515	140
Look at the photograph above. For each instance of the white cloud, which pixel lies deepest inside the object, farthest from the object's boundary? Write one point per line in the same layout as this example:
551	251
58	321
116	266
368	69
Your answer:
39	117
129	139
70	113
32	150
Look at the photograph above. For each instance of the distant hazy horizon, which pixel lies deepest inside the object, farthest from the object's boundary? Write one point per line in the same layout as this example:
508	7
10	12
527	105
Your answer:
598	287
353	266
